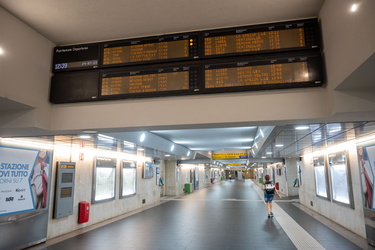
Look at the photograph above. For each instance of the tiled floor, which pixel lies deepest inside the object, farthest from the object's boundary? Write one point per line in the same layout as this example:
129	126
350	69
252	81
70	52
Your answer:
227	215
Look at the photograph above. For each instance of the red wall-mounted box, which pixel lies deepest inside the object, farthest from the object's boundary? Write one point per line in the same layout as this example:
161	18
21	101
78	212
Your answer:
84	212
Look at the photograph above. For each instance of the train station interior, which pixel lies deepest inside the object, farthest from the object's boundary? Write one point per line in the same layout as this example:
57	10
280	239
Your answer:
153	124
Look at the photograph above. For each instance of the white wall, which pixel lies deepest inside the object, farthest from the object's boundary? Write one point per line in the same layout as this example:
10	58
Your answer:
350	218
25	70
349	39
145	189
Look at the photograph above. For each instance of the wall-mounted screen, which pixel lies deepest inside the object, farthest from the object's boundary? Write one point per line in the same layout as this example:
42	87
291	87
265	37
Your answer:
66	192
74	87
76	57
295	35
163	48
150	81
276	72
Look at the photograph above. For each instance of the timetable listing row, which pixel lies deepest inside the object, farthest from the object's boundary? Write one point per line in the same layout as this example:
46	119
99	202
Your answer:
257	75
252	42
145	83
147	52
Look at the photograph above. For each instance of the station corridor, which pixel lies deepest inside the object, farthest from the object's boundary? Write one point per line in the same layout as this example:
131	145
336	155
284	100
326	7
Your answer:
228	215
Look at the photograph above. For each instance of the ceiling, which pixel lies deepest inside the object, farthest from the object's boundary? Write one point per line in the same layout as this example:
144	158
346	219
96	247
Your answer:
70	21
75	22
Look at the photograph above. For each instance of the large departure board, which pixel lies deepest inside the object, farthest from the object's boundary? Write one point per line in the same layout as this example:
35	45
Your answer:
254	57
165	48
277	72
285	36
130	83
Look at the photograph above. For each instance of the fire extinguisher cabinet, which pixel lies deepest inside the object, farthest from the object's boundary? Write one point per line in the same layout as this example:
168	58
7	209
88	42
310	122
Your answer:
84	212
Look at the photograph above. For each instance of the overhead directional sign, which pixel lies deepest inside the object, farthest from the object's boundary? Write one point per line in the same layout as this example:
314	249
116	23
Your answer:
236	164
230	156
237	168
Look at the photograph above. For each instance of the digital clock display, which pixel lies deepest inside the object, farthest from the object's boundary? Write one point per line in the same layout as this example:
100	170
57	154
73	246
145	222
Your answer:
91	64
76	57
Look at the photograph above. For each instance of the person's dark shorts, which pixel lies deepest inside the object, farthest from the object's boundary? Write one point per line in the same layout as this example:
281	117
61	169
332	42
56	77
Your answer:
268	197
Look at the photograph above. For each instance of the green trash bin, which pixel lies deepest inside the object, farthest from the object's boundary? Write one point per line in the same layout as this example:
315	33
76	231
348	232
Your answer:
188	188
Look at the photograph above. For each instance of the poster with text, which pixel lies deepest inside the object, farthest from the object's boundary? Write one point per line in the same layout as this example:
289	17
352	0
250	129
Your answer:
366	157
24	175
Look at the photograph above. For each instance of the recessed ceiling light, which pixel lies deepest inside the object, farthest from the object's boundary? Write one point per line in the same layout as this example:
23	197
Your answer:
90	131
142	138
302	127
85	136
354	7
261	132
245	140
279	145
106	138
167	155
269	153
172	147
1	51
129	144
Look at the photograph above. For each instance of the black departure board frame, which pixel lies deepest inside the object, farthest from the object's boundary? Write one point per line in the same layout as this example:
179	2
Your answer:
106	70
287	70
156	49
76	57
263	38
150	81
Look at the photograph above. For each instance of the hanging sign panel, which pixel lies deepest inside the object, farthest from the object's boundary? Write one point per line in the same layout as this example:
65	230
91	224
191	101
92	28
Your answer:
24	175
230	156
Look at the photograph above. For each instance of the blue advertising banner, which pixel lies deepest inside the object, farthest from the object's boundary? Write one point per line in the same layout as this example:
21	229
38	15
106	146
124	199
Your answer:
24	175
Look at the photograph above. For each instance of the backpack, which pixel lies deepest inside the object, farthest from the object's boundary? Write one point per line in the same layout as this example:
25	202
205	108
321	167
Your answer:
270	188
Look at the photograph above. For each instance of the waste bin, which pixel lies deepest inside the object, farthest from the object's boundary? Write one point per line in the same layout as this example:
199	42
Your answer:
188	188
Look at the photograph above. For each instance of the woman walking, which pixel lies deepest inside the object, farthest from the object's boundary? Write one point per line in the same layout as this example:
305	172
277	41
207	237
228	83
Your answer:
269	193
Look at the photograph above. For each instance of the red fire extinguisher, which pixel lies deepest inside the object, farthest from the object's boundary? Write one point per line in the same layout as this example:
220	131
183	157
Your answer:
277	186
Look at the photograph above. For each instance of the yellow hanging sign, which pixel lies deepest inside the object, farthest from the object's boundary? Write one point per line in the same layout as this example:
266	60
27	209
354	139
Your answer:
230	156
